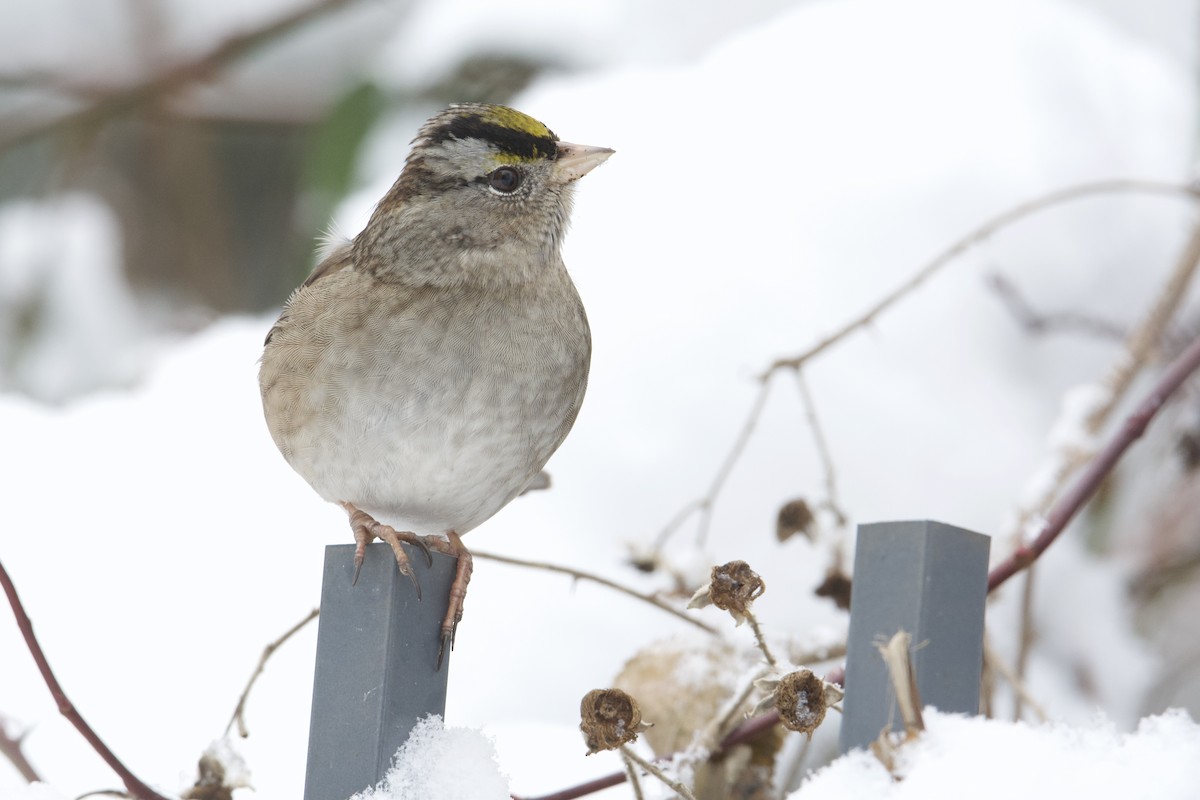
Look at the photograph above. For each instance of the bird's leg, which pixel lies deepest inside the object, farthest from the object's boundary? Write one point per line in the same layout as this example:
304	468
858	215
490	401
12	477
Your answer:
366	528
458	589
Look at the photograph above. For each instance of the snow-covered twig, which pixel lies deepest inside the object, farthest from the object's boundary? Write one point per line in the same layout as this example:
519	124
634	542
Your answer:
1094	474
133	784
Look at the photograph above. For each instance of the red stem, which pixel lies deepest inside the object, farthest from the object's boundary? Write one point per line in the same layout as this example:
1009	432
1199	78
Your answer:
132	784
1069	504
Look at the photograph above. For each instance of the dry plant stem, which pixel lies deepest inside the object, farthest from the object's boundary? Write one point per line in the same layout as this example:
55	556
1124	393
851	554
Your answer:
984	231
1074	499
1146	338
897	656
587	576
791	778
759	639
704	504
1025	646
631	775
132	784
176	78
823	453
708	739
268	651
1064	322
675	785
10	748
993	660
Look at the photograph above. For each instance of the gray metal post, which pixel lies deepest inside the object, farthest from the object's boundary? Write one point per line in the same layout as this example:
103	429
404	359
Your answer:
377	648
929	579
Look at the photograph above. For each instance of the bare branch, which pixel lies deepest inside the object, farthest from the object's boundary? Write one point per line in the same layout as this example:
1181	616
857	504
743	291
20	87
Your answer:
132	783
268	651
176	78
1037	322
587	576
984	231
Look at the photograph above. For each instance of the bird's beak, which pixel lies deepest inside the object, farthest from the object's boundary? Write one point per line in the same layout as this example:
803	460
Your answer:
576	160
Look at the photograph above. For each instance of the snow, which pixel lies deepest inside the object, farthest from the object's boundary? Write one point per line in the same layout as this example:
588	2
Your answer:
1160	759
771	181
67	320
449	763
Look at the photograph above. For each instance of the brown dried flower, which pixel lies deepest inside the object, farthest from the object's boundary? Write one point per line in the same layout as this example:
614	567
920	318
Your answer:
610	718
801	698
836	587
733	587
795	517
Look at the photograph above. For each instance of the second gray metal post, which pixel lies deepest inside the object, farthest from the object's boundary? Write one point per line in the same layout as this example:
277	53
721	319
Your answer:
929	579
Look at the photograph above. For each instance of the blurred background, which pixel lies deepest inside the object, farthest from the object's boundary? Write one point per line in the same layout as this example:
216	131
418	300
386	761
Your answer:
168	167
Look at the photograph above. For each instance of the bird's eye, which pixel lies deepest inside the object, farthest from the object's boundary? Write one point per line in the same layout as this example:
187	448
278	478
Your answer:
504	180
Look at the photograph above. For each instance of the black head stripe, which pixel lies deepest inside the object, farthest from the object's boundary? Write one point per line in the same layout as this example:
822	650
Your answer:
521	144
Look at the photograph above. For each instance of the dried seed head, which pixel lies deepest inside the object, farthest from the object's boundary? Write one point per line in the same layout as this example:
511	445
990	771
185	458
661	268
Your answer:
795	517
802	700
734	587
610	718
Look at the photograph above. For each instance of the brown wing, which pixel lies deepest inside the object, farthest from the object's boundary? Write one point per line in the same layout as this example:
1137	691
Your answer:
338	259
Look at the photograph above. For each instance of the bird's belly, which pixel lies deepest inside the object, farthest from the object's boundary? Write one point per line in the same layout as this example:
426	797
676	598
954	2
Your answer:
435	446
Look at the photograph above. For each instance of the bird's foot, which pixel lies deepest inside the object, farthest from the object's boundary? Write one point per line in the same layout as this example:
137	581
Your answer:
452	545
366	529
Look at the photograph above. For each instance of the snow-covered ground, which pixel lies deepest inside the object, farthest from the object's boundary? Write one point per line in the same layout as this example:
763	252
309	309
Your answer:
770	183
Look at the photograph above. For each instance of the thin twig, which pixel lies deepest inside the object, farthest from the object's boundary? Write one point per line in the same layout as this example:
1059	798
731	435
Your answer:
984	231
631	775
823	453
10	748
711	734
268	651
675	785
587	576
993	660
703	505
759	639
132	783
1069	504
178	77
1026	639
1036	322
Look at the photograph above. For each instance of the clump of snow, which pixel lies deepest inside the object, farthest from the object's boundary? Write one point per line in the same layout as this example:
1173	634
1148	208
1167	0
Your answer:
971	756
441	762
225	764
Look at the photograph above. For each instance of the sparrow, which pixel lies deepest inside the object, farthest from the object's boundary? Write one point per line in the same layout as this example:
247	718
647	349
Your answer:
426	370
